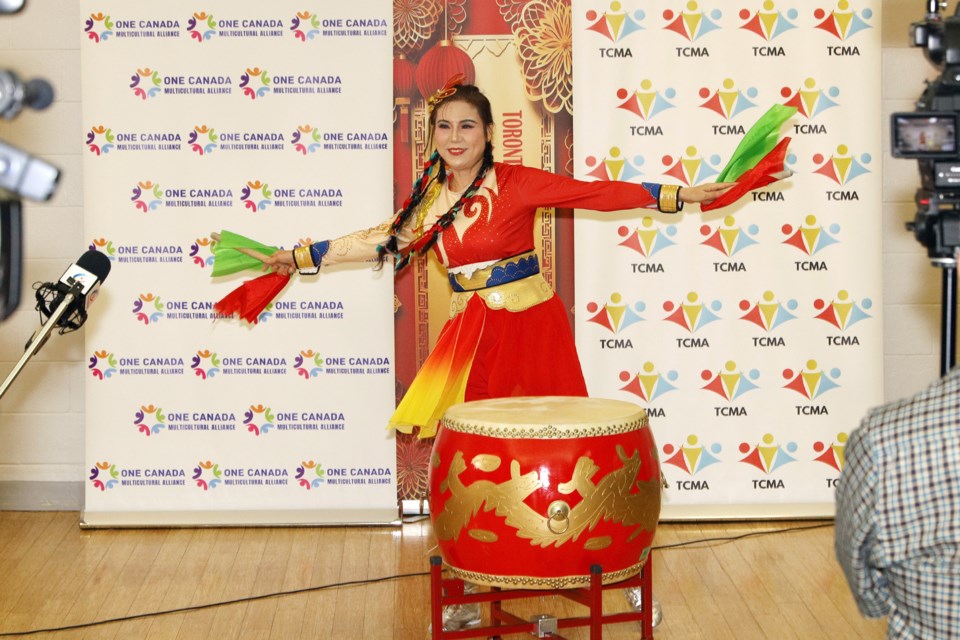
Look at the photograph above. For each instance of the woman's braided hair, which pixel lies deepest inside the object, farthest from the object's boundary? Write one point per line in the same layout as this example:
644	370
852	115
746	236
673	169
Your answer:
434	170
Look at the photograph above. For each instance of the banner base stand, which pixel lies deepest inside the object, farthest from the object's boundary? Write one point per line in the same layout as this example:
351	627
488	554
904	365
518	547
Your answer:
385	516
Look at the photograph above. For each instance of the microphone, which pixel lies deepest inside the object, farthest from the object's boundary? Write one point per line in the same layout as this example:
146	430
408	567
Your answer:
15	94
65	302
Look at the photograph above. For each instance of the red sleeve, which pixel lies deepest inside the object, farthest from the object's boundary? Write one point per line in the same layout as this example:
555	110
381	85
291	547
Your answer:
538	188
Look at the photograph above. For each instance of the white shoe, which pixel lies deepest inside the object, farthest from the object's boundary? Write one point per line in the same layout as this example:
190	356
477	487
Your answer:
635	600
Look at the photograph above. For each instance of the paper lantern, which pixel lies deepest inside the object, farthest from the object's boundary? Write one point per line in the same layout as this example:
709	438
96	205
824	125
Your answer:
441	63
404	86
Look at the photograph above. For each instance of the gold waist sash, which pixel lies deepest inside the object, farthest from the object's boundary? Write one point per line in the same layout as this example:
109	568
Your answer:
512	296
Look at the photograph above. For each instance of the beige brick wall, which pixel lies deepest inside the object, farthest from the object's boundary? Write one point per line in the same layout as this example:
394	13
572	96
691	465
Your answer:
41	417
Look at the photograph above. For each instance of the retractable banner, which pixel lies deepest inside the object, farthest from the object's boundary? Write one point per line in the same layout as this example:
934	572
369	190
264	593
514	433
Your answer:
273	121
751	333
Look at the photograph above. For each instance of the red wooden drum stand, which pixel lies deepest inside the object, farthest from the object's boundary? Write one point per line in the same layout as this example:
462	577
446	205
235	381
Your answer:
446	592
545	493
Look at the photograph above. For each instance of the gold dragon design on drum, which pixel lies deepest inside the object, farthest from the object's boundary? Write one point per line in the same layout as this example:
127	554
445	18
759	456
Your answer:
619	497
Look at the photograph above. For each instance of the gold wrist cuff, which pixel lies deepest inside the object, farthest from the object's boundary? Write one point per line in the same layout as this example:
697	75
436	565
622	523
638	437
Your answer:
669	200
302	259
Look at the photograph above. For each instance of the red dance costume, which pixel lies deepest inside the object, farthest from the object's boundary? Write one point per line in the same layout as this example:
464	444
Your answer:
508	333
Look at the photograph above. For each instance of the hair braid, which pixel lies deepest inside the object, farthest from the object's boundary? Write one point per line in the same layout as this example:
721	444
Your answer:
389	247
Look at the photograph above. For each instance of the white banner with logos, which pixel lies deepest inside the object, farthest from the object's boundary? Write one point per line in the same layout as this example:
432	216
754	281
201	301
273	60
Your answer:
271	120
752	334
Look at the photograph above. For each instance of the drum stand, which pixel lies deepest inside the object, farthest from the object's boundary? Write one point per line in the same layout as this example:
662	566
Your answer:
450	591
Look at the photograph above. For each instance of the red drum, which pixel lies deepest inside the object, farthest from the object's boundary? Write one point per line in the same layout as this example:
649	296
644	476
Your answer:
530	492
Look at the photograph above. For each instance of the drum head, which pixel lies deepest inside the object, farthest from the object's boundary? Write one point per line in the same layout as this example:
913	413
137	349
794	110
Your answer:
546	417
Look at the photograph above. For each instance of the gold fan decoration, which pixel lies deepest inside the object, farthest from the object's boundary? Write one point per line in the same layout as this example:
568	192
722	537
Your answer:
544	36
414	22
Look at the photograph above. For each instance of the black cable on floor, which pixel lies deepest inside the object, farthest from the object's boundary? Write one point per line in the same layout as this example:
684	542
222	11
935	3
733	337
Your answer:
354	583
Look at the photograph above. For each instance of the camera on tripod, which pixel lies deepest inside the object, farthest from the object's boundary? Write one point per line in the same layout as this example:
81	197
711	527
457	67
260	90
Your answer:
931	136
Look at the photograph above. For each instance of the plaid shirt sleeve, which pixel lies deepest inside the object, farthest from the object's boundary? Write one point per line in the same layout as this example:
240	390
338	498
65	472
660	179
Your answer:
898	513
856	532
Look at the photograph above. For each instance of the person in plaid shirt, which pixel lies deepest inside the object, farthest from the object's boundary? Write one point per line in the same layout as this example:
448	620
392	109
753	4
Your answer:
898	513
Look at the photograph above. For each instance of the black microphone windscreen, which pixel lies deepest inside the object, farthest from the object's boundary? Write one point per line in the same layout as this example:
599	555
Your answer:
96	263
37	94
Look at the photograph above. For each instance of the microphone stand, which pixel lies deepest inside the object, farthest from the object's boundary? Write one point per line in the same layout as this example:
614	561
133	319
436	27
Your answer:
40	337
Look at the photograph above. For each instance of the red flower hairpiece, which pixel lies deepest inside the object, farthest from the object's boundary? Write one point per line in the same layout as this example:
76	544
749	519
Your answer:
446	90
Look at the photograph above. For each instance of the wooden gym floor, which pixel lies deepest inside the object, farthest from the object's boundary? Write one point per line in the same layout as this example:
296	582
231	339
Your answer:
52	574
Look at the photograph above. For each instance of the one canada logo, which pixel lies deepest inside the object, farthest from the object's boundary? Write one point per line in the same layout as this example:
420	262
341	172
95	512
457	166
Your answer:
204	140
150	420
209	475
149	83
614	23
648	384
310	474
768	22
201	252
728	238
257	196
201	26
207	364
691	456
100	27
150	308
305	26
649	239
308	26
104	246
204	27
310	364
105	476
153	254
258	83
255	83
105	364
261	420
306	139
102	140
810	237
769	313
149	196
146	83
308	309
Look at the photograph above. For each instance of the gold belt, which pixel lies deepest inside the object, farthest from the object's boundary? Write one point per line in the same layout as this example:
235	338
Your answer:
500	272
513	296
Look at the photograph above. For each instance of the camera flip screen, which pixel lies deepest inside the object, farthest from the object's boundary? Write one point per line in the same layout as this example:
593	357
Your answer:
924	135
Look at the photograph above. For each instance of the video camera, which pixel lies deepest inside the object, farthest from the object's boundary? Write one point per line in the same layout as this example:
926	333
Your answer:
931	135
